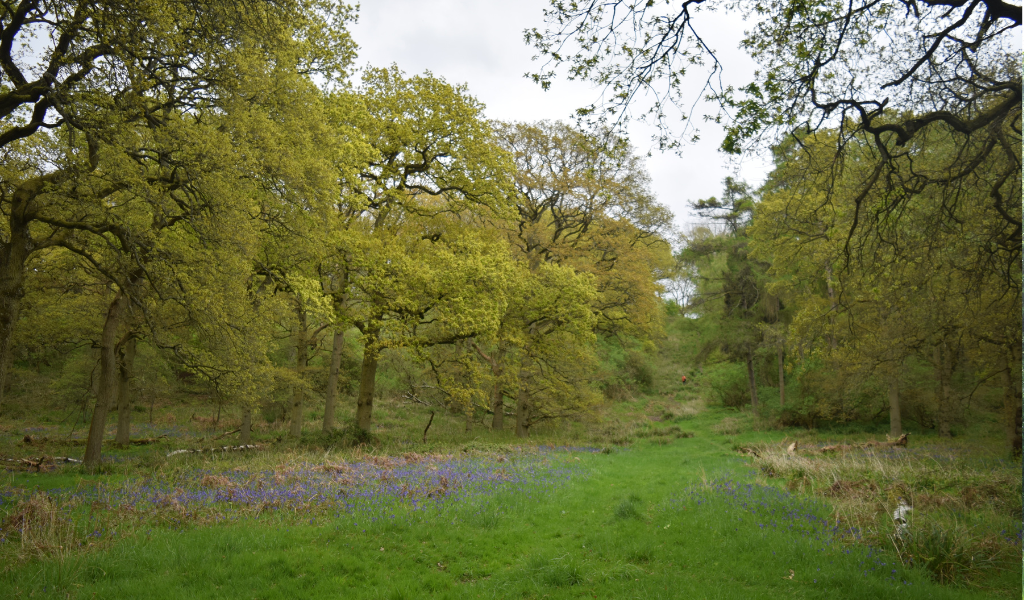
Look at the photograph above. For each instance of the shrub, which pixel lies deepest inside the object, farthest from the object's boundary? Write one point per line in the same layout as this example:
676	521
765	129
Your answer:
951	555
629	508
728	383
640	370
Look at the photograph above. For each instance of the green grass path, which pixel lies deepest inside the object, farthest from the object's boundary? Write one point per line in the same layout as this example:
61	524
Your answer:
614	533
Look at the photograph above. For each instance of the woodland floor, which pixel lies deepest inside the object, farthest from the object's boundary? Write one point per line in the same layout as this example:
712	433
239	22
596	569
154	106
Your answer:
652	498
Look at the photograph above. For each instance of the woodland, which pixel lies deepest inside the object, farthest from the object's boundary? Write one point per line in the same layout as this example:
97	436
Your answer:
212	205
452	356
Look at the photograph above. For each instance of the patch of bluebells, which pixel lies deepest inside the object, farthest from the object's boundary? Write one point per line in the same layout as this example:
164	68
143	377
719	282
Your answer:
777	509
1014	539
773	508
373	491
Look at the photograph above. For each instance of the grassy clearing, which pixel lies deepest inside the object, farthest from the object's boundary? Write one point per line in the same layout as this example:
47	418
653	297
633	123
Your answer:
689	517
648	498
654	521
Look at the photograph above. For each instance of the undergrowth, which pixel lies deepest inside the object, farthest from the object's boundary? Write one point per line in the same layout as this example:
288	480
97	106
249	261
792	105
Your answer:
966	510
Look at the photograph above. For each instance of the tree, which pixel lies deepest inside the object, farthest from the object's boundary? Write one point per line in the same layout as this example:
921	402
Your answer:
582	203
878	73
432	169
164	213
924	287
730	282
106	69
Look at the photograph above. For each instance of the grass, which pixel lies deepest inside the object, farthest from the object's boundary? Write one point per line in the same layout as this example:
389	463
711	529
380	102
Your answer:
648	498
688	518
966	516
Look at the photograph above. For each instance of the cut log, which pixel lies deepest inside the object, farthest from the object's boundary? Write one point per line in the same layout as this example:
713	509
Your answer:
898	442
221	449
135	442
37	464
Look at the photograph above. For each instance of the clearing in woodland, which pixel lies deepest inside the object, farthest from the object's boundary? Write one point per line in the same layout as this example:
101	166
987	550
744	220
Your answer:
662	496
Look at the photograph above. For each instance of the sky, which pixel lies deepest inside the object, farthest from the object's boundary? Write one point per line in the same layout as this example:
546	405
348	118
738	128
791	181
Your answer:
480	43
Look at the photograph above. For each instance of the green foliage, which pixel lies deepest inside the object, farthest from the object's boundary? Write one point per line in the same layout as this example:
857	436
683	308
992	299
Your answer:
727	382
952	554
630	508
638	367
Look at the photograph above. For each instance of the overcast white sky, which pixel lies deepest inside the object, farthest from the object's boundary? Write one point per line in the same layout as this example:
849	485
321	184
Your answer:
480	43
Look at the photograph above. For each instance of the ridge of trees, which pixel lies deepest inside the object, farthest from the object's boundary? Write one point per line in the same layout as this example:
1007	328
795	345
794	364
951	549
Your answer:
200	184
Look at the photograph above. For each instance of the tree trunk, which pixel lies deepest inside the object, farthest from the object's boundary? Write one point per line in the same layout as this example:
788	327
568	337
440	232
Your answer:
367	381
522	406
108	379
332	380
1011	408
895	423
944	409
945	412
751	381
522	414
833	340
124	393
12	277
301	358
470	412
498	406
782	378
497	398
246	437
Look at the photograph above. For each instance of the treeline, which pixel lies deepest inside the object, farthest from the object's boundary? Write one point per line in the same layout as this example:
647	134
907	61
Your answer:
835	293
205	184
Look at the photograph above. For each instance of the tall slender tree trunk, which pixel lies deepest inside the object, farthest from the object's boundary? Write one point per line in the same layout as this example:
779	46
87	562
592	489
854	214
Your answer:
12	278
832	339
332	380
246	433
895	421
945	412
522	413
497	405
107	393
124	393
497	398
782	377
752	381
367	382
522	407
301	358
1011	406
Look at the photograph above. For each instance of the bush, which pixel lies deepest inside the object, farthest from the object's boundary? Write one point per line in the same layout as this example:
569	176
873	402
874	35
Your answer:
728	383
640	370
951	555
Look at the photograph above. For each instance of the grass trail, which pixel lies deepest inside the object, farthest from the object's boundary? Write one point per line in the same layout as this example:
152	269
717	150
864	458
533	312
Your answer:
636	523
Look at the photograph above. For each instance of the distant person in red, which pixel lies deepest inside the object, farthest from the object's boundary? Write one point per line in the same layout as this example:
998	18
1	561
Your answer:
684	378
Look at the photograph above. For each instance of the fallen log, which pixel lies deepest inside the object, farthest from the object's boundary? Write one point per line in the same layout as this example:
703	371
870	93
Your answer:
748	450
38	464
145	441
898	442
135	442
225	434
221	449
